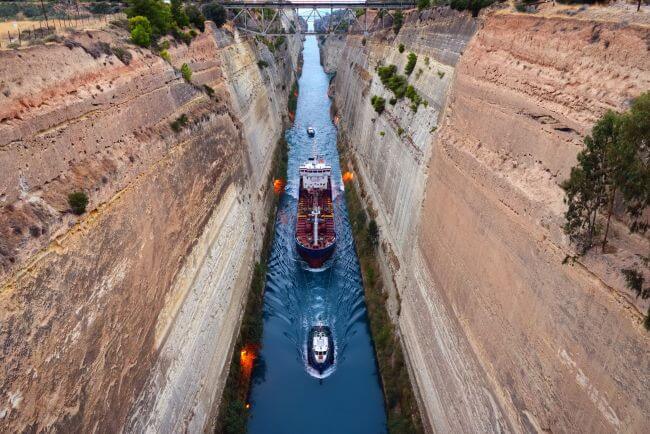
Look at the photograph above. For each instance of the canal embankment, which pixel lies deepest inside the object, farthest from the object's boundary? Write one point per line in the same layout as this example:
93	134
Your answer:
463	172
124	316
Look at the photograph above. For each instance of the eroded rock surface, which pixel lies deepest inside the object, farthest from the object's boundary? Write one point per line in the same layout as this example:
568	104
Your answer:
129	311
500	335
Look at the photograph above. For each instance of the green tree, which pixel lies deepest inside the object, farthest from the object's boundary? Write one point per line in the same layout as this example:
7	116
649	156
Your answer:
635	181
196	17
587	186
423	4
178	14
400	48
140	31
156	11
216	13
614	164
78	201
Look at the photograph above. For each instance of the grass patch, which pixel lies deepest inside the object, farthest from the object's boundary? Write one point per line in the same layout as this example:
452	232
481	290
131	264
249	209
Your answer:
403	413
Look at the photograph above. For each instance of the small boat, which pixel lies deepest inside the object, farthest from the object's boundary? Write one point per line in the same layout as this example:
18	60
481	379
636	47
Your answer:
320	348
311	132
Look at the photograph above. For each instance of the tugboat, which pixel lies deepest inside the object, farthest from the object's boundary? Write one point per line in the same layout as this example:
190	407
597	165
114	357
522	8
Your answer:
320	348
311	132
315	236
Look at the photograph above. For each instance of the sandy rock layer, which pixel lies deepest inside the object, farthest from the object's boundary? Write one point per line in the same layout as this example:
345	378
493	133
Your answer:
500	335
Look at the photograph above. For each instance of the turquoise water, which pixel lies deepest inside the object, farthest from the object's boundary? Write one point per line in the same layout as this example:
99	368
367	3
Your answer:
287	396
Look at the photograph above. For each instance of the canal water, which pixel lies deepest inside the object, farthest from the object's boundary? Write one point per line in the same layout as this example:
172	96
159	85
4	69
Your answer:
287	396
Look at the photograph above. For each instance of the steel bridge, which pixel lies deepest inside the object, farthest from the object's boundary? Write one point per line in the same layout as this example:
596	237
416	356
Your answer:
246	15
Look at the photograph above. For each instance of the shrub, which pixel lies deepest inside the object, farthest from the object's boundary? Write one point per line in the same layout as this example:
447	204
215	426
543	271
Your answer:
382	133
156	11
165	55
141	30
216	13
400	48
186	72
363	41
178	14
393	101
412	94
426	60
193	33
441	74
179	123
262	64
140	36
164	45
423	4
400	131
410	65
378	103
123	54
78	201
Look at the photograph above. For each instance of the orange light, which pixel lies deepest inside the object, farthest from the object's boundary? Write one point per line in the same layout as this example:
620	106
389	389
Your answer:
347	177
278	186
248	406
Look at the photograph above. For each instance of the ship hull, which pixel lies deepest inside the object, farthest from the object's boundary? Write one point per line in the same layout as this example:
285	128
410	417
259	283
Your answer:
315	258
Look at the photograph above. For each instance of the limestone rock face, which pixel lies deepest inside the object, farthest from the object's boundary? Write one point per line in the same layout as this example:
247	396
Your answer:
499	334
103	315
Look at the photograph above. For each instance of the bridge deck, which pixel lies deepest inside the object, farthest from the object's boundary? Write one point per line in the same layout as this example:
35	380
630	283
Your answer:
320	5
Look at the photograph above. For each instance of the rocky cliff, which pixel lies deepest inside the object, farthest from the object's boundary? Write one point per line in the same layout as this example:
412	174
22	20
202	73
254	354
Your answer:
124	317
499	333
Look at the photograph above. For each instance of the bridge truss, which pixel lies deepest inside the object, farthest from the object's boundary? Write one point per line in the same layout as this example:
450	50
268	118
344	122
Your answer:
246	15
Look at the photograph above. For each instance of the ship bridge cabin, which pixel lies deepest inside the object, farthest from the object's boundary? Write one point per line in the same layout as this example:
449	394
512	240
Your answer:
315	174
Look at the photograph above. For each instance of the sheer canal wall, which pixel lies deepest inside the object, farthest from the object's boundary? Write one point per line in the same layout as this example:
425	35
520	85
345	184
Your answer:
500	335
123	318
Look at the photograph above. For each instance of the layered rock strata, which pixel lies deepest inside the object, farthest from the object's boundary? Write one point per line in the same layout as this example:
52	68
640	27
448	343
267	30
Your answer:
499	333
123	318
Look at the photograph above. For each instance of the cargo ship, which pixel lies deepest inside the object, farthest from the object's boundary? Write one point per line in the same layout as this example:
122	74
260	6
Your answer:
315	235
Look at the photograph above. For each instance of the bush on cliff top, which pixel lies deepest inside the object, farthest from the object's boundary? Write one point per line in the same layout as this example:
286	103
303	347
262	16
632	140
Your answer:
216	13
141	31
156	11
196	17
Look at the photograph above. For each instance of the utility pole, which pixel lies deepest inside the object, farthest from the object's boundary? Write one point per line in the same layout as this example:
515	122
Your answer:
44	14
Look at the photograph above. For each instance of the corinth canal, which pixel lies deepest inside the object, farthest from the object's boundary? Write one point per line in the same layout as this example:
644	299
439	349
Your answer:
287	396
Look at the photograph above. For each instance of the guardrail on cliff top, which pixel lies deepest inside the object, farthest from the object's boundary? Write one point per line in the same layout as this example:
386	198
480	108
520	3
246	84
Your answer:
14	34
